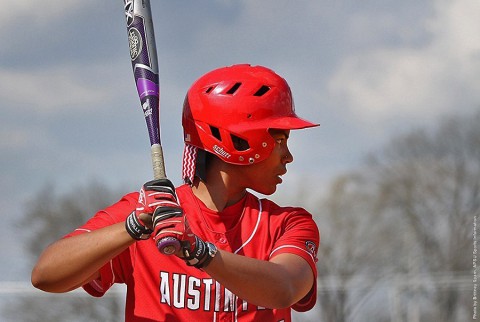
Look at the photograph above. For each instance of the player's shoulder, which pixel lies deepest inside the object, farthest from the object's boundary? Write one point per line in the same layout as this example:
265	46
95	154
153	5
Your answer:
289	217
127	200
125	204
130	197
114	213
274	208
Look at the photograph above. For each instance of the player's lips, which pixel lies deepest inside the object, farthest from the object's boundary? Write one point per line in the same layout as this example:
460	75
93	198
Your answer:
279	176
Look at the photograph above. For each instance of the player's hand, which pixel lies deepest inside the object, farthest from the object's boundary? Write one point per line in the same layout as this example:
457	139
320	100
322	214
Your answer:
171	222
154	193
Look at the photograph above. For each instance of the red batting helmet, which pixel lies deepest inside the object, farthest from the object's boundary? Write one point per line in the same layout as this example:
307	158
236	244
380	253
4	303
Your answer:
229	111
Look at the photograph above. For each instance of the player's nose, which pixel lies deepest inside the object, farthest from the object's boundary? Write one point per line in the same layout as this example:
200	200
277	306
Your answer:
287	156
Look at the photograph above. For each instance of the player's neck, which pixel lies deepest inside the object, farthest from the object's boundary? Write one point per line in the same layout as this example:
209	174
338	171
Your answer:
219	190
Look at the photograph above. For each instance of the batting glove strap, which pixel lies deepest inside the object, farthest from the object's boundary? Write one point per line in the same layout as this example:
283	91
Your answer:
201	255
135	228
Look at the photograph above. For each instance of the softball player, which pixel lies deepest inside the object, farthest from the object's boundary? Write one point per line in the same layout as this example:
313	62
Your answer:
241	258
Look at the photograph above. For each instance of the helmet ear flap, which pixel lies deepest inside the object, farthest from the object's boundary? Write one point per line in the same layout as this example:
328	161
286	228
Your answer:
230	147
229	143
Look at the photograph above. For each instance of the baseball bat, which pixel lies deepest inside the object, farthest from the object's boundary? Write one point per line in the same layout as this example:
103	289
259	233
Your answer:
143	55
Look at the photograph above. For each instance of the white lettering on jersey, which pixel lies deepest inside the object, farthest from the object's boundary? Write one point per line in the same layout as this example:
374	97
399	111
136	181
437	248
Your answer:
208	282
164	288
183	291
229	304
217	296
179	290
193	302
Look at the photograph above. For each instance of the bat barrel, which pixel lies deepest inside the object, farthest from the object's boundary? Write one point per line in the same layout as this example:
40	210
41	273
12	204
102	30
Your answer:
143	55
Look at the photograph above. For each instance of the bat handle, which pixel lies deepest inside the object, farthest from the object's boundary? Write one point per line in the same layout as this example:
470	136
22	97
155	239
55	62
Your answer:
168	245
158	162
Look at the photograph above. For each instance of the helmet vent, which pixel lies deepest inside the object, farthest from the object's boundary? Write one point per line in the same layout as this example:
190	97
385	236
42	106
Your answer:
234	88
262	91
209	89
216	132
239	143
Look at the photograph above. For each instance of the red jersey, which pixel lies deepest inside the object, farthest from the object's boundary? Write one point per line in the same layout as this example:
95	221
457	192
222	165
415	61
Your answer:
164	288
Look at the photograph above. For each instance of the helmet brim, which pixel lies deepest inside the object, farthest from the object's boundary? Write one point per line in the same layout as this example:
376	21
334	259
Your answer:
291	123
281	123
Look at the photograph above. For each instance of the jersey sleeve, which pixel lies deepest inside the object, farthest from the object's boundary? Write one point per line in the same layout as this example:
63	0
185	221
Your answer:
116	270
300	236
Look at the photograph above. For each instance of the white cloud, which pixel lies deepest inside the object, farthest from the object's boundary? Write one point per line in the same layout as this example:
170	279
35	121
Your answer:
34	11
416	81
456	27
50	90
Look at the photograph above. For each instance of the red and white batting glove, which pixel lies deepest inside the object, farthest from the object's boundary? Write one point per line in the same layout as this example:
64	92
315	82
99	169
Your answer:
171	222
152	194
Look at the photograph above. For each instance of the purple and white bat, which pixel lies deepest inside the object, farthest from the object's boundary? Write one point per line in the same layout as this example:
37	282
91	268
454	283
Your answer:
143	54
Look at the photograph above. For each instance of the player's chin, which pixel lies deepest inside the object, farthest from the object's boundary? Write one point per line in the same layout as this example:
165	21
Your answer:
267	189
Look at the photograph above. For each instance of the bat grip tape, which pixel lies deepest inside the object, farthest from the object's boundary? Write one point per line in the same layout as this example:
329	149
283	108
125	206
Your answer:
158	162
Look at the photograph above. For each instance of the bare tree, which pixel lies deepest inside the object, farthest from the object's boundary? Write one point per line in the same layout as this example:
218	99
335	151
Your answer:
407	213
50	216
431	182
357	251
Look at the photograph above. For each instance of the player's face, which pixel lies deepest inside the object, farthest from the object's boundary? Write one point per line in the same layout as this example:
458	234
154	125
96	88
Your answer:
264	176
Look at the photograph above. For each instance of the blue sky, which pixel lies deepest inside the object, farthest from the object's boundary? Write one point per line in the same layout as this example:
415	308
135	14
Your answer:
365	70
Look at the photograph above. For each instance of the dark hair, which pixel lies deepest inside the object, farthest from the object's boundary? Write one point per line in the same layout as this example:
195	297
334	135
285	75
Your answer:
202	162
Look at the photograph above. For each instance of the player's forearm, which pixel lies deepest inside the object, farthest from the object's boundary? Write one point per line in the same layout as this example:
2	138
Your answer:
71	262
268	284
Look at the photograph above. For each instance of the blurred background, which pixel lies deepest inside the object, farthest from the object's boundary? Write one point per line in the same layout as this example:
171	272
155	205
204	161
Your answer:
392	175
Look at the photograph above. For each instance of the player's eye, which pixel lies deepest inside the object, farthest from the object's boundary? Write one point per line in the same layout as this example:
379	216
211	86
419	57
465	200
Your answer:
281	140
280	136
